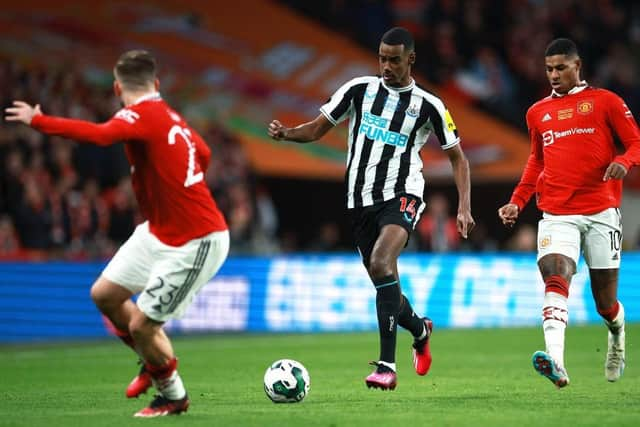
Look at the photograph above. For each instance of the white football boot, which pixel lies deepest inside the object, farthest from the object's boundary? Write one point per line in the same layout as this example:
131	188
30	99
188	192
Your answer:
614	364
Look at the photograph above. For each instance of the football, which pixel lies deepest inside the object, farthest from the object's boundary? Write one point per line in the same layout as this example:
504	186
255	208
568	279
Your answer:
286	381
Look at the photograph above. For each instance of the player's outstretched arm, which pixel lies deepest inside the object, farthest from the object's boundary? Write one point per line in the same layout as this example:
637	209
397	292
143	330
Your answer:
22	112
306	132
460	165
120	128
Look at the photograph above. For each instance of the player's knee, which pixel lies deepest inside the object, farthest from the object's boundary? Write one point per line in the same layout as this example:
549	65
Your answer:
100	296
557	265
137	326
380	267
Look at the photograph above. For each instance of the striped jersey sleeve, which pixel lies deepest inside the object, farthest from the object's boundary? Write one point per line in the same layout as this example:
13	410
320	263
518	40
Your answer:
440	121
341	104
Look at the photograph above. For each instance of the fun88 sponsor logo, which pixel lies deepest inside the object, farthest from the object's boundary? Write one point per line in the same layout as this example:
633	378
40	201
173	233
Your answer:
375	128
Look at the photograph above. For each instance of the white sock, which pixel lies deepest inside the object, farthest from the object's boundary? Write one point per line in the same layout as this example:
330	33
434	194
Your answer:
172	388
388	365
554	322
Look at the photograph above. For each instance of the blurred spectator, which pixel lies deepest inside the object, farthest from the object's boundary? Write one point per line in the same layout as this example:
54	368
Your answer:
34	218
12	173
89	221
122	212
62	164
488	80
327	239
408	14
524	239
9	244
479	240
437	229
266	241
617	72
240	217
60	218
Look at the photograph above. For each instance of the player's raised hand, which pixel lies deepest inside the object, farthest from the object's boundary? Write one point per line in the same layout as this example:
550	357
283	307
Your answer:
276	130
614	171
509	214
465	223
21	112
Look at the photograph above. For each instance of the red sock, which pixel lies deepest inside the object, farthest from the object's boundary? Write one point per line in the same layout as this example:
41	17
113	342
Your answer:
557	284
610	313
124	336
163	371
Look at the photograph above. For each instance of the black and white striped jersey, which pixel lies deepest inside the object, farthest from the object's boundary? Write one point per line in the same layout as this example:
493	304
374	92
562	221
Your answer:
387	128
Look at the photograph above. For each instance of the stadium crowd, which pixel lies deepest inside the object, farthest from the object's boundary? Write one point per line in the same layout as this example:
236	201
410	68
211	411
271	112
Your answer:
64	200
489	51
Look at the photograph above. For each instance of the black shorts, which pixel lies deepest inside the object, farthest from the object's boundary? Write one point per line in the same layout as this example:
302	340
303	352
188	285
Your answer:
367	222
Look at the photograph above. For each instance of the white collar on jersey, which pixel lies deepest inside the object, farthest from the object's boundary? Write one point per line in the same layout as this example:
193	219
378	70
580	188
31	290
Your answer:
153	96
399	89
578	88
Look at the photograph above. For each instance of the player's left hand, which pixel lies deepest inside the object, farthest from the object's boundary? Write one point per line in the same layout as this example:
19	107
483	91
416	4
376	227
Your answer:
21	112
276	130
465	223
614	171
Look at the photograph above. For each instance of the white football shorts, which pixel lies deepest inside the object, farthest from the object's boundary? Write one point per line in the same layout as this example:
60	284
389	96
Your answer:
599	236
166	277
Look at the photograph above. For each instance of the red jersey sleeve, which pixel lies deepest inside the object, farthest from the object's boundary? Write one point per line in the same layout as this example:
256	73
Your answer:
203	151
532	170
626	128
120	127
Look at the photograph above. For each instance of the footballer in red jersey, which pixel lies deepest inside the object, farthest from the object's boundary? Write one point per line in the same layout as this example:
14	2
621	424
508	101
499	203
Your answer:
183	241
576	173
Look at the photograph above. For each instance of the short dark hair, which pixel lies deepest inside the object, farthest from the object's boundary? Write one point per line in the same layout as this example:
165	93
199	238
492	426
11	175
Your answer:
562	46
399	35
135	69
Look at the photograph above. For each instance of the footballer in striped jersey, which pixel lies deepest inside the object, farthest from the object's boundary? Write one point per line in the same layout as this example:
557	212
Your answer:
390	118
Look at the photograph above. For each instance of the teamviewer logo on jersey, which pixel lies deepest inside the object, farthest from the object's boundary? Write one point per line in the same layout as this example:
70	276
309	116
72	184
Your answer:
547	138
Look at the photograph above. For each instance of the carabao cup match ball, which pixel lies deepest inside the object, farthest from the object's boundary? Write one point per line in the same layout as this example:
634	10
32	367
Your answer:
286	381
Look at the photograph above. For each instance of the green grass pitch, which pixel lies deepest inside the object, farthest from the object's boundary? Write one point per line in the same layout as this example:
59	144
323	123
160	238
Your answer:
479	377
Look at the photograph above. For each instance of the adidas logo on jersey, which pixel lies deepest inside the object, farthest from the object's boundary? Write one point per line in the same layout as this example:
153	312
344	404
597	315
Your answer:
546	117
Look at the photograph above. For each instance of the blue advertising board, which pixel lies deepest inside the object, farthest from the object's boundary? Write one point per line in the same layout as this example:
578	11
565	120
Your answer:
308	293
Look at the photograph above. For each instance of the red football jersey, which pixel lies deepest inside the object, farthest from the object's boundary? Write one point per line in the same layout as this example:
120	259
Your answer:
168	161
572	144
